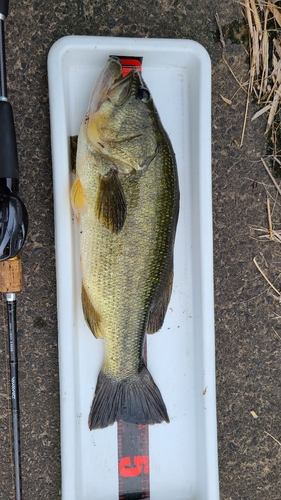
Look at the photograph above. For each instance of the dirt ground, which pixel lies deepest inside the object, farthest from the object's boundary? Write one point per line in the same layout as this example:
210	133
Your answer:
247	310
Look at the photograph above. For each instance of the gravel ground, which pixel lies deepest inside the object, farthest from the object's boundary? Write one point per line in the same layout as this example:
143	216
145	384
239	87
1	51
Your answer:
248	327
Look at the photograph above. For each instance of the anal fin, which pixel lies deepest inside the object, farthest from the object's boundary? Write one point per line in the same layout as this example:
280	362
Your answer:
158	311
111	204
91	316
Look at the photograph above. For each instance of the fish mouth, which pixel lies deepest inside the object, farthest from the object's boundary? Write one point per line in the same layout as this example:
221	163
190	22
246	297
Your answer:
115	88
109	79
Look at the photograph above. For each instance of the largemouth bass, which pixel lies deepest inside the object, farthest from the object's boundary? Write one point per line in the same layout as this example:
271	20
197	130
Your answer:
126	200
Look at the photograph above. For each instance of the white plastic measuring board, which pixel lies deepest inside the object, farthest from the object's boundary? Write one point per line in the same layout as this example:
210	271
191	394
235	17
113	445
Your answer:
181	357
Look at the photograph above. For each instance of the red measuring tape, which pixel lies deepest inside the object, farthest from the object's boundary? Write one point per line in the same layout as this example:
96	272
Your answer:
133	440
133	459
129	63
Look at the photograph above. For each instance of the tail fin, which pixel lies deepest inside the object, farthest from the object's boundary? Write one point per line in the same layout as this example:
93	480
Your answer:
137	401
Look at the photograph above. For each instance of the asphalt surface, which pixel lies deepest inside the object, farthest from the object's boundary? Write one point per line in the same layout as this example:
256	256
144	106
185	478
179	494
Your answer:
248	327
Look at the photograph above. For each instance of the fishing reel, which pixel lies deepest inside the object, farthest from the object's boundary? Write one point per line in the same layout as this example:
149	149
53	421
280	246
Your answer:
13	214
13	222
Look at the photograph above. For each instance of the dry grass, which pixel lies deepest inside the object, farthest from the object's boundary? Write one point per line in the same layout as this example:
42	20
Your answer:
264	23
272	437
270	233
263	18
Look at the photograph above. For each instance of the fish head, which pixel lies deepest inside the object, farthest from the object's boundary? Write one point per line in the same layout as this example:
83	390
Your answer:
120	122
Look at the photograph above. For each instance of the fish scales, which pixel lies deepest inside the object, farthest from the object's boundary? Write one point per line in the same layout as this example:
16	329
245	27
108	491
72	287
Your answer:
126	270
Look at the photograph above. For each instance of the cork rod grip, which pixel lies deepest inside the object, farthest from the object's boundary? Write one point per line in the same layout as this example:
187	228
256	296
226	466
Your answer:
11	275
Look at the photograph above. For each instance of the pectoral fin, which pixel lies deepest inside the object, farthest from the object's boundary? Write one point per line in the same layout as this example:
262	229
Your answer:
158	311
91	316
73	150
111	203
77	197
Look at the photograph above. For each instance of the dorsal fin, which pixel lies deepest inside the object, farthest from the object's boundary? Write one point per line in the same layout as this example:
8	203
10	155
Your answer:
158	311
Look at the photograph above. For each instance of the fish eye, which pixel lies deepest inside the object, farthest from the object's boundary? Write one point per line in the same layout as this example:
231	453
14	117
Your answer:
143	94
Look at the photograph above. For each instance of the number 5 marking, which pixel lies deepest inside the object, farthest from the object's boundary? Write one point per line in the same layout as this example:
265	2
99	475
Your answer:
141	465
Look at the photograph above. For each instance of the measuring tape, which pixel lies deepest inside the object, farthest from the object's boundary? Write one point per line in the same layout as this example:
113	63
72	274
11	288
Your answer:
133	458
133	439
133	461
129	63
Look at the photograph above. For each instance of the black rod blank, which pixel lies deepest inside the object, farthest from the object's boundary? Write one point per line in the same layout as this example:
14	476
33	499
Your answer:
3	77
12	328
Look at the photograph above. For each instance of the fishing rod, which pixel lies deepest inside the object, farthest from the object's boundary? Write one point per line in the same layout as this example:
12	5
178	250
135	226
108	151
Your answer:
13	229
